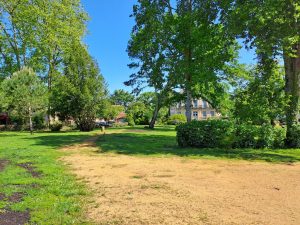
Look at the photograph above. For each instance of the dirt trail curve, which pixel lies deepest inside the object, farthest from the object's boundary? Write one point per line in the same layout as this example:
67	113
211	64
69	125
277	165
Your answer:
145	190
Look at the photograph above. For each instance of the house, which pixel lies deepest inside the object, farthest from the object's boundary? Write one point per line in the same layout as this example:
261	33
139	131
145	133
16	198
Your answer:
201	110
121	118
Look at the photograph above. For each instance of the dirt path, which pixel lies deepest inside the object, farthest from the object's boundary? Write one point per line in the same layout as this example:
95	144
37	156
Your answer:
144	190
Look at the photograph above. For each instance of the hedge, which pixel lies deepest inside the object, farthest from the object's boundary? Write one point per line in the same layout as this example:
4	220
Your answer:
226	134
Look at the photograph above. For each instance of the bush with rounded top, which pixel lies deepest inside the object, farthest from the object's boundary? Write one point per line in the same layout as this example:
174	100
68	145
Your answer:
176	119
226	134
205	134
56	126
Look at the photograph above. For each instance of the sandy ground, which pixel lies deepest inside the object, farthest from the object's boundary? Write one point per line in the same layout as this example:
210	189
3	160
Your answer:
144	190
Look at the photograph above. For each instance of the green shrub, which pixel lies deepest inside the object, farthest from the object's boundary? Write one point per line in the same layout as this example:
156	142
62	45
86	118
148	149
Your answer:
225	134
205	134
56	126
130	121
294	137
245	136
176	119
279	137
39	122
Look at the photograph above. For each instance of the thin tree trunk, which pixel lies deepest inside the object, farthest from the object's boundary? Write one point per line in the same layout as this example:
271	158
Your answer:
156	111
30	121
188	106
188	58
292	89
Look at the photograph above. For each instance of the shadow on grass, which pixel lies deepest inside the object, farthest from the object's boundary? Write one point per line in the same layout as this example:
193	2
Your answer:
152	144
57	140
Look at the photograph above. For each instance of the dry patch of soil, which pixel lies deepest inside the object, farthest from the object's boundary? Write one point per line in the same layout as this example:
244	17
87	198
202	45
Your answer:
144	190
30	169
9	217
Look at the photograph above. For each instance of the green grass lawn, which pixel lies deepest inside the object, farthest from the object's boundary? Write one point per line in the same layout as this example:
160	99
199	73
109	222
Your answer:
52	197
162	142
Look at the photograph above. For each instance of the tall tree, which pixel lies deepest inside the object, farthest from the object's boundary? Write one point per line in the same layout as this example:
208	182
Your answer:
79	92
24	94
150	49
182	46
273	28
39	34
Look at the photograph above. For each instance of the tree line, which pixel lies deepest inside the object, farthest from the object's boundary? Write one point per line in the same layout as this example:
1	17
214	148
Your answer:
44	64
193	46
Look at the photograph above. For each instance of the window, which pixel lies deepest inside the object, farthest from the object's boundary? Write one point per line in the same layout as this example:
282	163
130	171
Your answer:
195	115
204	114
195	103
212	113
204	104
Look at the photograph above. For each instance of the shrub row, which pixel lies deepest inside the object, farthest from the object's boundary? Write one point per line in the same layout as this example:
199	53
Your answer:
226	134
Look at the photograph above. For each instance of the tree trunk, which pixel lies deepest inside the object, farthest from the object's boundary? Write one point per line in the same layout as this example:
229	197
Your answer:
156	111
292	90
188	58
30	121
188	106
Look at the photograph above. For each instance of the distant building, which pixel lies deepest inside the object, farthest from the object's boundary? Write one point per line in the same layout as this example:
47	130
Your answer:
201	110
121	118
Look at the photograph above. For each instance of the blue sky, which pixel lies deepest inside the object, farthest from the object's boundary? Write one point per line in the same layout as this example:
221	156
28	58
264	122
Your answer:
108	33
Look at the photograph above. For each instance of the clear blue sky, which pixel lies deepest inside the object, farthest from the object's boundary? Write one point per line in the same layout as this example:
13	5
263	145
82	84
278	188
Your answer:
108	33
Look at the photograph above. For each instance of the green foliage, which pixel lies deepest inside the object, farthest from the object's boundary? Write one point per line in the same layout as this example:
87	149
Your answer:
56	126
226	134
205	134
38	34
108	111
176	119
39	121
294	138
24	95
137	114
78	93
253	136
197	52
271	27
122	97
261	99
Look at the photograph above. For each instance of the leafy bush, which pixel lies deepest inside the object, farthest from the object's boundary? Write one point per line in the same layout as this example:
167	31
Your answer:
294	137
130	120
205	134
176	119
279	137
39	121
56	126
225	134
245	136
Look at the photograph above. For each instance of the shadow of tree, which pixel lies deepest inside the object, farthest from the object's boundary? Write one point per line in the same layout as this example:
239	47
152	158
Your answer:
153	144
57	140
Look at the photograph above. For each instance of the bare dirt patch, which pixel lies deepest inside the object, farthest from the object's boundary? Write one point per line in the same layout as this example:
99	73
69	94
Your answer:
30	169
144	190
16	197
3	164
9	217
